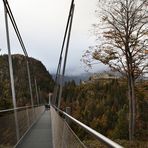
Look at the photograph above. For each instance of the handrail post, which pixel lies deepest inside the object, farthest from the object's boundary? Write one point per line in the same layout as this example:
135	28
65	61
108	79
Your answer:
68	111
28	120
37	93
50	98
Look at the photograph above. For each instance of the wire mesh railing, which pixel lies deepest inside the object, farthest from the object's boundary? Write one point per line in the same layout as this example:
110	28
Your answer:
26	117
63	136
62	132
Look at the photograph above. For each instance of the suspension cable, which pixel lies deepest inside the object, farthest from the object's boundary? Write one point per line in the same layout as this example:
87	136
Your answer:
65	35
8	9
62	49
9	12
58	78
65	59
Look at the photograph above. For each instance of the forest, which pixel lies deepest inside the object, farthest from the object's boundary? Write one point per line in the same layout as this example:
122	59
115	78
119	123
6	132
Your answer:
103	105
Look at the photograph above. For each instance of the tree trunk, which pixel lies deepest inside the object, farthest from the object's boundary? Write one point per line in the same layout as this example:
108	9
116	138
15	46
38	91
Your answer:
133	107
130	109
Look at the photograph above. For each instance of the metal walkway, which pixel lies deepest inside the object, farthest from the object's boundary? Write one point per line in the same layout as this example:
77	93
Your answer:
40	135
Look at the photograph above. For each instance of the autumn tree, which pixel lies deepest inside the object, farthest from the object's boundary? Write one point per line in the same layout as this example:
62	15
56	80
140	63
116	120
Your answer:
122	35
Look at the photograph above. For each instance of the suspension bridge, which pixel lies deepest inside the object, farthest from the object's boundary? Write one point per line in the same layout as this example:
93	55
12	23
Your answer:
34	126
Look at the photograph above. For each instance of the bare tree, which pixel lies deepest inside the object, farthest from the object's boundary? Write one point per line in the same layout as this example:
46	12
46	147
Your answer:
122	34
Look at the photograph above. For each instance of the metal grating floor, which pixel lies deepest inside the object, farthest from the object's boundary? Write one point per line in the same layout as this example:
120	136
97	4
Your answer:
40	135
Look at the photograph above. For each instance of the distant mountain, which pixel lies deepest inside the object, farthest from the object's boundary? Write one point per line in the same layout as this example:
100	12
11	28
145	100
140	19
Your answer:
76	78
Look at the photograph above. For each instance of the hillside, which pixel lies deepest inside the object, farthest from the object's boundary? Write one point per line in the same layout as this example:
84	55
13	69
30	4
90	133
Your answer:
38	71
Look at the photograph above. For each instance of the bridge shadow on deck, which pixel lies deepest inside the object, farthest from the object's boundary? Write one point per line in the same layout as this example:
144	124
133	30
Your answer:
40	135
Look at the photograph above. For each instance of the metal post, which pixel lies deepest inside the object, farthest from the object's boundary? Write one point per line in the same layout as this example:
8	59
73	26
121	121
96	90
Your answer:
11	75
68	111
27	114
30	88
50	95
7	7
37	94
40	95
29	79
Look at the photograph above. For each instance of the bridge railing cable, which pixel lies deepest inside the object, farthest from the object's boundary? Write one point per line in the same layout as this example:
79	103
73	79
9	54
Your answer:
26	118
57	130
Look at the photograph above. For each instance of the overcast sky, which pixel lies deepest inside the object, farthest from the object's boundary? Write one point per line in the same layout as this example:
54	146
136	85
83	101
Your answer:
42	25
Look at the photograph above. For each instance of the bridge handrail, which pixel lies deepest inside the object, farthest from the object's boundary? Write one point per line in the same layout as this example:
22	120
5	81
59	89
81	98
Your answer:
18	108
27	116
99	136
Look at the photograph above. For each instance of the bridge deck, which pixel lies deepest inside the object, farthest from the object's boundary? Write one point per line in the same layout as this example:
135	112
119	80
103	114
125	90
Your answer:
40	136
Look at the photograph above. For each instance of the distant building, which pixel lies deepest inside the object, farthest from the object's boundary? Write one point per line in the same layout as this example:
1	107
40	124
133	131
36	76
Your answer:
103	76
